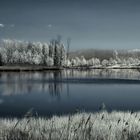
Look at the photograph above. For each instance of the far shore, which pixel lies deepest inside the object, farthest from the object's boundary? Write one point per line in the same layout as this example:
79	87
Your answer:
28	68
55	68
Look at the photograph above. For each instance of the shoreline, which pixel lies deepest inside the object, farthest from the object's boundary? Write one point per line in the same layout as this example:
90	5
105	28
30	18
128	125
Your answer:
28	68
46	68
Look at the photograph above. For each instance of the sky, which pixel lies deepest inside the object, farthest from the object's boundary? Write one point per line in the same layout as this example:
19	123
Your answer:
103	24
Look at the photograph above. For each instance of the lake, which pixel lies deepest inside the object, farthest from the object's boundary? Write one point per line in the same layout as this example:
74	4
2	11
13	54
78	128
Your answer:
68	91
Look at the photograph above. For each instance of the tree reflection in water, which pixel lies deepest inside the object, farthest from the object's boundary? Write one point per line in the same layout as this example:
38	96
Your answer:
55	88
28	83
49	82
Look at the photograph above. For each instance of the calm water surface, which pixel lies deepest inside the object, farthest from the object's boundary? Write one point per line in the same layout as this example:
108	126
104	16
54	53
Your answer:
56	93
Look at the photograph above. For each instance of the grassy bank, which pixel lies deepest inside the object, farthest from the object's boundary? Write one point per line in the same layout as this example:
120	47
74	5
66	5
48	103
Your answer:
28	68
81	126
53	68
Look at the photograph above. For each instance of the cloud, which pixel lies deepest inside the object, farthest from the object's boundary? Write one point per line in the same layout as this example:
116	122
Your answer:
12	25
1	25
9	25
49	25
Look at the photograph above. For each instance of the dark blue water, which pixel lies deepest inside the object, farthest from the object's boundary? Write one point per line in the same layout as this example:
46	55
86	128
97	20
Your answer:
64	92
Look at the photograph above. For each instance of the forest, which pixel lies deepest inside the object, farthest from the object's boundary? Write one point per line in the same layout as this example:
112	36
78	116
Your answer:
54	53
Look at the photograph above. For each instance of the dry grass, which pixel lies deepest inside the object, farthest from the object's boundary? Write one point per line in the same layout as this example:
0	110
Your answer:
81	126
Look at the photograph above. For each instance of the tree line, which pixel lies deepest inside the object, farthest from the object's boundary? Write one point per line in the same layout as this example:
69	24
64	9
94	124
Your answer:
13	52
54	53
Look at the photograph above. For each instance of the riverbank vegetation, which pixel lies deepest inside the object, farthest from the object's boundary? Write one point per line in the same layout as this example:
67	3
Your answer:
21	53
55	54
81	126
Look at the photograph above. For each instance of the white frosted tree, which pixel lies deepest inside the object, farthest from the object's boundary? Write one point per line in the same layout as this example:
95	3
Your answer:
73	62
68	63
91	62
112	61
45	54
105	63
62	55
77	61
50	61
83	61
34	53
56	55
97	62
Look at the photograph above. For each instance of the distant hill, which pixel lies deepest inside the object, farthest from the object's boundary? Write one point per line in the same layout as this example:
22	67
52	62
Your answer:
89	53
104	54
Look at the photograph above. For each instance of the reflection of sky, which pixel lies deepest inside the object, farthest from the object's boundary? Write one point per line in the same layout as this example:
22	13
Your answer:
1	101
81	97
38	82
21	91
90	23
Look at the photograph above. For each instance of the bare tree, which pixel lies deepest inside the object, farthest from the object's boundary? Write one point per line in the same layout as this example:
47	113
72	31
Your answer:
68	46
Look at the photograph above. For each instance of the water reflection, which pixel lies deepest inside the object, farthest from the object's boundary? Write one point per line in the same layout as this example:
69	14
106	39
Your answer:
48	95
12	83
55	88
26	83
105	73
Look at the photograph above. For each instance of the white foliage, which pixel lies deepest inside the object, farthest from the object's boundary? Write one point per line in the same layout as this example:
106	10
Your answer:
105	62
50	61
77	61
112	61
83	61
97	61
68	63
37	53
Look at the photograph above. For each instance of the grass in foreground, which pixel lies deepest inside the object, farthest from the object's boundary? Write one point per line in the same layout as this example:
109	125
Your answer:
81	126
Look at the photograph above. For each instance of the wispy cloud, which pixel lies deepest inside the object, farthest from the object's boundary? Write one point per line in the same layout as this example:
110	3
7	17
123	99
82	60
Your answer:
12	25
1	25
50	26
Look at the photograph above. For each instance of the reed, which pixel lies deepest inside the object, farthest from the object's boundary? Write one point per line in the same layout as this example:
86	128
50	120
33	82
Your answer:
80	126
